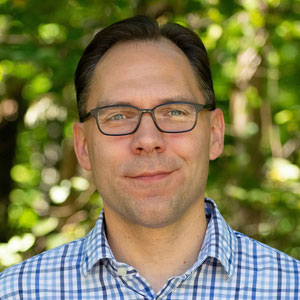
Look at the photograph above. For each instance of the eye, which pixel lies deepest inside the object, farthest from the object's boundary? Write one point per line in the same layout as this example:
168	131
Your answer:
172	112
176	112
116	117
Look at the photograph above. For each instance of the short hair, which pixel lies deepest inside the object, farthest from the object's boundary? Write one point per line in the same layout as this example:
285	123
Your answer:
143	28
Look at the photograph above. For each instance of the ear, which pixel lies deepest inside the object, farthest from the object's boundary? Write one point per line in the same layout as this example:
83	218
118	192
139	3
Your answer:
80	146
217	129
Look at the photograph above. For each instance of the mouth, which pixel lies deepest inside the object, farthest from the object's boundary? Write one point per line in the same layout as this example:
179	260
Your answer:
151	177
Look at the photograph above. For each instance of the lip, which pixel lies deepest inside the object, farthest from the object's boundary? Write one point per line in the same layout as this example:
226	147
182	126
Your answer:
152	176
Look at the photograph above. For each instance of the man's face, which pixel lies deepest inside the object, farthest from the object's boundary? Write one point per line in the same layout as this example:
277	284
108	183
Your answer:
149	177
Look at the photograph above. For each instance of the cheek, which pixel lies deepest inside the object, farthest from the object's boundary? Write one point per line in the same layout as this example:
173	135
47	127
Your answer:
106	154
194	150
189	146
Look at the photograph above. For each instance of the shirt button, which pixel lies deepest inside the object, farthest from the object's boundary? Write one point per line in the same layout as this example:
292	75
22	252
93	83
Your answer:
122	271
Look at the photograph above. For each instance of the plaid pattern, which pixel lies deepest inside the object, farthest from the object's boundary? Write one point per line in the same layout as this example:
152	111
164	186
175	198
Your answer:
230	266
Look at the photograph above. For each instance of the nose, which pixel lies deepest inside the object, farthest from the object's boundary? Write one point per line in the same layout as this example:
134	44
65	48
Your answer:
147	139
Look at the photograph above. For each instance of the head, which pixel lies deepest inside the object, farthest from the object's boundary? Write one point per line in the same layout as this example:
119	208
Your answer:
150	178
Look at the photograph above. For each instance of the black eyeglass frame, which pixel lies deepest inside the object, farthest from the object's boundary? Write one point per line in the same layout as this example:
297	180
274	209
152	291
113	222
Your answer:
198	107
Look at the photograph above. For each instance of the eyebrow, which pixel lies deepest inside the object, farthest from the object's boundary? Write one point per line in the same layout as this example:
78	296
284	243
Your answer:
109	102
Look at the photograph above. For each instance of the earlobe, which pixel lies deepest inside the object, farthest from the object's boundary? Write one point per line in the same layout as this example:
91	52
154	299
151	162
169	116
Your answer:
80	146
217	134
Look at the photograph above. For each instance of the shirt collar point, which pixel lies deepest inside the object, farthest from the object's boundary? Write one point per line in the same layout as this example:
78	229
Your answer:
96	247
220	242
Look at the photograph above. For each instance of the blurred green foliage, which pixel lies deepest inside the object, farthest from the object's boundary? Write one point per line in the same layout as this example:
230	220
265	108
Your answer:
46	199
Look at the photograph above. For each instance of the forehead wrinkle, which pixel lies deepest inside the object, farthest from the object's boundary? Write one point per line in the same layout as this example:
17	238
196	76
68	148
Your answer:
175	98
137	75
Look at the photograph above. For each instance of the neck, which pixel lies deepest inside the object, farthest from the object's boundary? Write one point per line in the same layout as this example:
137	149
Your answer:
158	253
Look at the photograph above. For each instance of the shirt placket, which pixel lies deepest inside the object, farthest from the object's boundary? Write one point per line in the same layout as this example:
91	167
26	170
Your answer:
129	277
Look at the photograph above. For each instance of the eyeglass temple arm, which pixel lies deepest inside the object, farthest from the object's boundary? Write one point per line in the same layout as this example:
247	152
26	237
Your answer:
85	117
210	106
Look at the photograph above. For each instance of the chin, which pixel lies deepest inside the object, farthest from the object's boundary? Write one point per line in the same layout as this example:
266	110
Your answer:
154	217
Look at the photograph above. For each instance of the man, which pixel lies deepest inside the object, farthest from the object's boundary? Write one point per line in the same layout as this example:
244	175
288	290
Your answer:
148	129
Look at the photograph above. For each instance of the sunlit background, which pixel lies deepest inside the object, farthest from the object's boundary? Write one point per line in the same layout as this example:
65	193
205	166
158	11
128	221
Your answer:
46	199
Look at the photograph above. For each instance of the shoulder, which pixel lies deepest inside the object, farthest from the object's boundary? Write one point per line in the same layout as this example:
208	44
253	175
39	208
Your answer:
249	258
43	266
254	255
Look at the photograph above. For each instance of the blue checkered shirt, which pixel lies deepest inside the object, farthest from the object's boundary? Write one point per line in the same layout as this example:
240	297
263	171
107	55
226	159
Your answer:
229	266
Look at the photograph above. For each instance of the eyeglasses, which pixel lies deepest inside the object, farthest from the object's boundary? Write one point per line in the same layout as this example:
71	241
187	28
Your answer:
171	117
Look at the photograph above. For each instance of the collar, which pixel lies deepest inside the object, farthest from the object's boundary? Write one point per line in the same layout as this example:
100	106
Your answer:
95	246
219	242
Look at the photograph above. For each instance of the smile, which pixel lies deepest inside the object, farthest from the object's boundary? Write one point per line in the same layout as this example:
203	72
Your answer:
151	177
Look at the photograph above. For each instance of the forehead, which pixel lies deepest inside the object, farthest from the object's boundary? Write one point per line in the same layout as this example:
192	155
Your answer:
143	69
